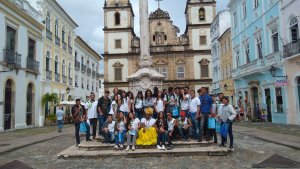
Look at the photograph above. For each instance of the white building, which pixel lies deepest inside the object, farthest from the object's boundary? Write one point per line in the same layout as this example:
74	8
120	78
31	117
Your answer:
20	65
86	70
220	24
101	84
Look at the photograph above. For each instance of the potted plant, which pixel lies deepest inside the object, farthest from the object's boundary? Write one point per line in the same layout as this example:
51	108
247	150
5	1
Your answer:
53	100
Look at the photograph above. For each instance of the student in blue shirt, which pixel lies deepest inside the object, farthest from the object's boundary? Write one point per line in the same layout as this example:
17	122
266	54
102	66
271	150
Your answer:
205	109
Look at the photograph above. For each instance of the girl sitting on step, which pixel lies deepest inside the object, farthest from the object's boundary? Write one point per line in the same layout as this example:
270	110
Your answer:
120	130
133	125
161	128
147	135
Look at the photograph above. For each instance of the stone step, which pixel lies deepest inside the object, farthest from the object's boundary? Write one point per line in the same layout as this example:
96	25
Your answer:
75	152
178	144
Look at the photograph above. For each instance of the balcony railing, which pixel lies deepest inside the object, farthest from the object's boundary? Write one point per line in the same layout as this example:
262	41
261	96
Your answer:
70	81
11	57
291	49
32	64
64	45
48	74
70	49
57	40
57	77
98	76
49	34
64	79
89	71
94	73
83	68
77	64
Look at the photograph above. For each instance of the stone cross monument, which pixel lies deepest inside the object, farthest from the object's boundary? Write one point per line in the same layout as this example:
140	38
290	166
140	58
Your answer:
146	77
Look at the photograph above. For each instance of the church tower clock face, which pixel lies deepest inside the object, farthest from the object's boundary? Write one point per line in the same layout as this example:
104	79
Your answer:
145	83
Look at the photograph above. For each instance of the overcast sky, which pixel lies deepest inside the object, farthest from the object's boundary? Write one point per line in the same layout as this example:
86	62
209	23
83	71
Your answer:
88	14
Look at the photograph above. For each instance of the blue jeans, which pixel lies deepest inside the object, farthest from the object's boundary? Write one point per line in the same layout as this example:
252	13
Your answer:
60	124
77	127
183	132
195	130
139	113
109	137
224	140
161	139
120	137
102	120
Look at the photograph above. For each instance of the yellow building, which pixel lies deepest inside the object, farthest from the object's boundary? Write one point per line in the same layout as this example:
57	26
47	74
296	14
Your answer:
227	83
58	63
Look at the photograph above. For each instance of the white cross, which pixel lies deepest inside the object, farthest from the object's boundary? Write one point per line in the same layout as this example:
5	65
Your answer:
158	3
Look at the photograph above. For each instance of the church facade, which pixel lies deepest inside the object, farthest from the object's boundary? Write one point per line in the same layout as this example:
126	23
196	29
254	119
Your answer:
184	60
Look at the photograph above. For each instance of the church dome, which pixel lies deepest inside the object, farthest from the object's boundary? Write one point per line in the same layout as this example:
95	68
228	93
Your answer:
117	2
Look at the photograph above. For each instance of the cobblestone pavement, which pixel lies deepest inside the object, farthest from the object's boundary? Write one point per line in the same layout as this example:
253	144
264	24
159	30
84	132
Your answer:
248	151
272	127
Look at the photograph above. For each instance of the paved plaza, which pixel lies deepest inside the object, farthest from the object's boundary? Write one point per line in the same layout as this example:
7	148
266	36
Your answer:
248	151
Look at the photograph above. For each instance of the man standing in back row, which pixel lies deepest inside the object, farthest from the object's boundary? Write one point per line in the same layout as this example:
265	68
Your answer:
91	108
205	109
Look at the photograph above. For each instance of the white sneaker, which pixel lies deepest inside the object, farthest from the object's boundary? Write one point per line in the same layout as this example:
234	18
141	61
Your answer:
127	148
133	148
163	147
116	147
158	147
121	146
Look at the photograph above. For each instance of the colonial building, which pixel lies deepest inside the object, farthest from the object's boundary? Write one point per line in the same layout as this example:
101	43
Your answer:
58	60
183	60
219	25
291	53
86	70
101	85
257	57
226	83
20	70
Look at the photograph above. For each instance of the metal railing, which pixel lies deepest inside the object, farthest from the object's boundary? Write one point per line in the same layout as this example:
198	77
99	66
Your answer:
57	40
11	57
64	79
57	77
77	64
49	34
94	73
83	68
48	74
291	49
64	45
32	64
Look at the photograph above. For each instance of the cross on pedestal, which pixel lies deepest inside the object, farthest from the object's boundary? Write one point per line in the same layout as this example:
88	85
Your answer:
158	3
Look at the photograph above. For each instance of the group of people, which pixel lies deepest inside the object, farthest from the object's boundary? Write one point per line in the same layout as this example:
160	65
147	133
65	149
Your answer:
153	118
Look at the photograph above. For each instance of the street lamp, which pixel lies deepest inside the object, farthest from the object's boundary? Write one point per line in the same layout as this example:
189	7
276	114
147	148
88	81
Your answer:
273	72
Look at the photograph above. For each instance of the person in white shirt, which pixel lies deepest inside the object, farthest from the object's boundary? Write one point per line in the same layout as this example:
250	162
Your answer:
184	102
120	131
227	114
172	123
91	108
147	133
125	103
133	125
114	107
194	115
60	118
159	104
108	130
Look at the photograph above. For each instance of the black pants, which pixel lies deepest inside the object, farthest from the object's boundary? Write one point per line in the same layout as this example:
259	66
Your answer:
93	123
77	127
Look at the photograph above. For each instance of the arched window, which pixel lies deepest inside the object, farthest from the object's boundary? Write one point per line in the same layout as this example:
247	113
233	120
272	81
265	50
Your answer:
69	70
294	29
117	18
165	37
56	27
202	14
159	39
8	105
48	23
56	64
153	38
48	66
63	68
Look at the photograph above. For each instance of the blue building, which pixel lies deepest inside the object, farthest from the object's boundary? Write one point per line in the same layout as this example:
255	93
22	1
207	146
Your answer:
257	49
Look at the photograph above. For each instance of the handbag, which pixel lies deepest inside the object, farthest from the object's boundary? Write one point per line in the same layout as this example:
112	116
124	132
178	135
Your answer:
218	127
175	111
224	130
82	127
211	123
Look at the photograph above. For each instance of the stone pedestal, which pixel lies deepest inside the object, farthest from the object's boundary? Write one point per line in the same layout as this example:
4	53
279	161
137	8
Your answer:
144	79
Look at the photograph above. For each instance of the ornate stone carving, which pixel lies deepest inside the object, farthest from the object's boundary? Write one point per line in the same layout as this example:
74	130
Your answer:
159	14
146	61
